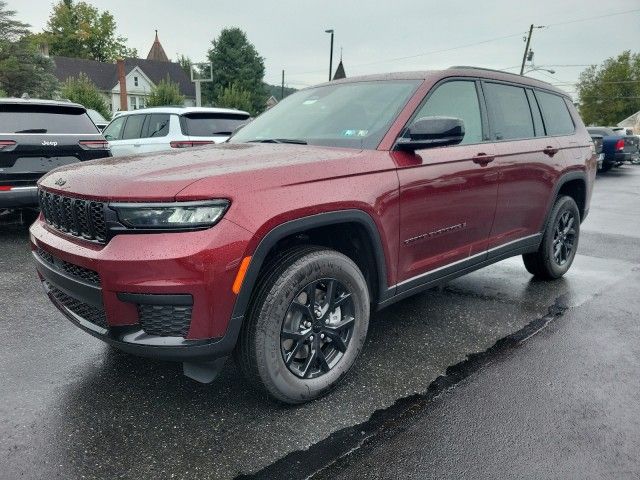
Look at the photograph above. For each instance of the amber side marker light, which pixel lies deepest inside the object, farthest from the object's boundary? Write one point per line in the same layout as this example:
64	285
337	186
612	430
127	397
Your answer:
242	271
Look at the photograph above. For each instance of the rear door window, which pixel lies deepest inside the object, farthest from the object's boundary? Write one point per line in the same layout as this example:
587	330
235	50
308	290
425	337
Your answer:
133	127
458	99
557	118
203	124
509	112
44	119
158	125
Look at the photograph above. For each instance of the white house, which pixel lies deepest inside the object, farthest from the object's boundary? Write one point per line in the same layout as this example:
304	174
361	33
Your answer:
139	76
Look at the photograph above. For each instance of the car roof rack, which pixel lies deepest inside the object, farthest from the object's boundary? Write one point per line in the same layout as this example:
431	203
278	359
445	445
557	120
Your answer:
470	67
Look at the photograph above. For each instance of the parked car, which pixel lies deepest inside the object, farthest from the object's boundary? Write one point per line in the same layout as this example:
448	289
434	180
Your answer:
97	118
37	136
163	128
343	198
614	147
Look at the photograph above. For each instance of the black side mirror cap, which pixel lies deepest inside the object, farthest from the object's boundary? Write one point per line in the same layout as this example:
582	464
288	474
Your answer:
427	132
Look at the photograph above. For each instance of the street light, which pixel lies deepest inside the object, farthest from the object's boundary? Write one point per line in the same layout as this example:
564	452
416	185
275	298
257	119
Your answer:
540	69
330	52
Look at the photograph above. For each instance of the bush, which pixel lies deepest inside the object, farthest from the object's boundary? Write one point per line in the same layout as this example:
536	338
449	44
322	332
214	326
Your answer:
164	94
83	91
235	97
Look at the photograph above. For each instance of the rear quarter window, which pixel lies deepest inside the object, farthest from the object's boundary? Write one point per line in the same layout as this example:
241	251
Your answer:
555	113
211	124
44	119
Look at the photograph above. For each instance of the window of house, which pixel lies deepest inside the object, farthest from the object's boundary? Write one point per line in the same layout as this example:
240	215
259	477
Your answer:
509	112
556	115
135	81
458	99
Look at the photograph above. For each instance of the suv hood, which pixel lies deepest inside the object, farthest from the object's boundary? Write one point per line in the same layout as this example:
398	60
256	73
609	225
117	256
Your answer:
162	176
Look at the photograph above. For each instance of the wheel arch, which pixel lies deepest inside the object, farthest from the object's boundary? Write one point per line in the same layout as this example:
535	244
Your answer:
573	184
311	223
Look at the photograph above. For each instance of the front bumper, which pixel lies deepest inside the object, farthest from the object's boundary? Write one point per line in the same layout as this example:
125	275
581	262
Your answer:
19	197
135	273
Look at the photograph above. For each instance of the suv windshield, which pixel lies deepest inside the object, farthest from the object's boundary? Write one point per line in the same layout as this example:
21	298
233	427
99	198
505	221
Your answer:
49	119
355	115
203	124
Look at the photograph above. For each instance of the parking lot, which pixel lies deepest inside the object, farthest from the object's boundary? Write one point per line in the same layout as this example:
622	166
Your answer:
74	408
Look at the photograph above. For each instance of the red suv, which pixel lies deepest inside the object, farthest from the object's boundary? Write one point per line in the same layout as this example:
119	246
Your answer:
345	197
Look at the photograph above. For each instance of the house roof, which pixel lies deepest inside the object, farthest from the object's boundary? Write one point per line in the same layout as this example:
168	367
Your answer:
105	75
157	52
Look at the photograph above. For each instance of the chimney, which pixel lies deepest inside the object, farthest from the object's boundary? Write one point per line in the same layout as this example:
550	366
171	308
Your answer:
124	105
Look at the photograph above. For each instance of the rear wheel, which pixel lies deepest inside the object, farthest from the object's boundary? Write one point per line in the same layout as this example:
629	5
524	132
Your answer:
307	324
559	242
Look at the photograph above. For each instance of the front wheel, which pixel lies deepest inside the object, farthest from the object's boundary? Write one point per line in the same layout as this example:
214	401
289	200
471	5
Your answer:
559	242
307	324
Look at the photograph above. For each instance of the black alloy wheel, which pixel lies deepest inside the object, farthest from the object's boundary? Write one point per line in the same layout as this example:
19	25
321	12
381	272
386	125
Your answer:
317	328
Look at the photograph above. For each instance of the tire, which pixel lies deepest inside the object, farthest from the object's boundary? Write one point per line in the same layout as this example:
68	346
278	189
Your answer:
606	167
282	324
559	242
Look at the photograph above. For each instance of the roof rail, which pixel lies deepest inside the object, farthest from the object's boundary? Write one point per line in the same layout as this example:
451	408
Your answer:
462	67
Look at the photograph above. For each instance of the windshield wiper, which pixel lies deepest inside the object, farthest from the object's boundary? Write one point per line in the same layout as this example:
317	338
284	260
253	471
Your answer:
33	130
280	140
221	133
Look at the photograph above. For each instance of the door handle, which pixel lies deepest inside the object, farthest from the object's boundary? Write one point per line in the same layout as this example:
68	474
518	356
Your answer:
483	159
551	151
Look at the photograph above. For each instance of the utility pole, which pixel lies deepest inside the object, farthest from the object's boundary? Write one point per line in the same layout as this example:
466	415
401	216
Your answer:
330	53
526	48
282	87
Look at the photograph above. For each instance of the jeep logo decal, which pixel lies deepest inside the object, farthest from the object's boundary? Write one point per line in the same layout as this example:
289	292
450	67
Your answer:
46	143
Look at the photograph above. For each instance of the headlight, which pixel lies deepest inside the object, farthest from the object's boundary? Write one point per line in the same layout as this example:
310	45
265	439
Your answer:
175	215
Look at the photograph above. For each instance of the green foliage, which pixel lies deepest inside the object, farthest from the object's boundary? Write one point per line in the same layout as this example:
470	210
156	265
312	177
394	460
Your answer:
276	91
185	63
164	94
83	91
236	62
2	93
611	92
22	68
234	96
78	29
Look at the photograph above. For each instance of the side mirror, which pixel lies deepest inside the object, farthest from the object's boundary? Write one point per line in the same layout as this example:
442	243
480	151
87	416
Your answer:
427	132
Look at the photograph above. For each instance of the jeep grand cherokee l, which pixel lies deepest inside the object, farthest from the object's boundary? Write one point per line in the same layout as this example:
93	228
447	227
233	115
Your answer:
37	136
343	198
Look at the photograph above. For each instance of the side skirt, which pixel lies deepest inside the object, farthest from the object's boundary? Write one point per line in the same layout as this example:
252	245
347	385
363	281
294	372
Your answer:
444	274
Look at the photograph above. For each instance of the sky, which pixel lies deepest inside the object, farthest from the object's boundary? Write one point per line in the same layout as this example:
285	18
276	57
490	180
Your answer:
380	36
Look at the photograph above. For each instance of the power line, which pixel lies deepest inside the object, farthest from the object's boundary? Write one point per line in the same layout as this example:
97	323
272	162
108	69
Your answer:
593	18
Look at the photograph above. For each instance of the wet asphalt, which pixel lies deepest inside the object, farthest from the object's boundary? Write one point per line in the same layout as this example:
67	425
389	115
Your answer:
563	403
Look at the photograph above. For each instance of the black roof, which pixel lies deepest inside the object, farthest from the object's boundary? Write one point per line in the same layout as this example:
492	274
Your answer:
38	101
105	75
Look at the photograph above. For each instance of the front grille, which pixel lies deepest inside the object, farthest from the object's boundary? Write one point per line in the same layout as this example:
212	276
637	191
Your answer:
76	271
91	313
165	320
75	216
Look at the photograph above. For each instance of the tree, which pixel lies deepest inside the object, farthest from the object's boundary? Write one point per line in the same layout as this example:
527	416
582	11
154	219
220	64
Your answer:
2	93
235	97
236	61
610	93
83	91
22	68
80	30
164	94
185	63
